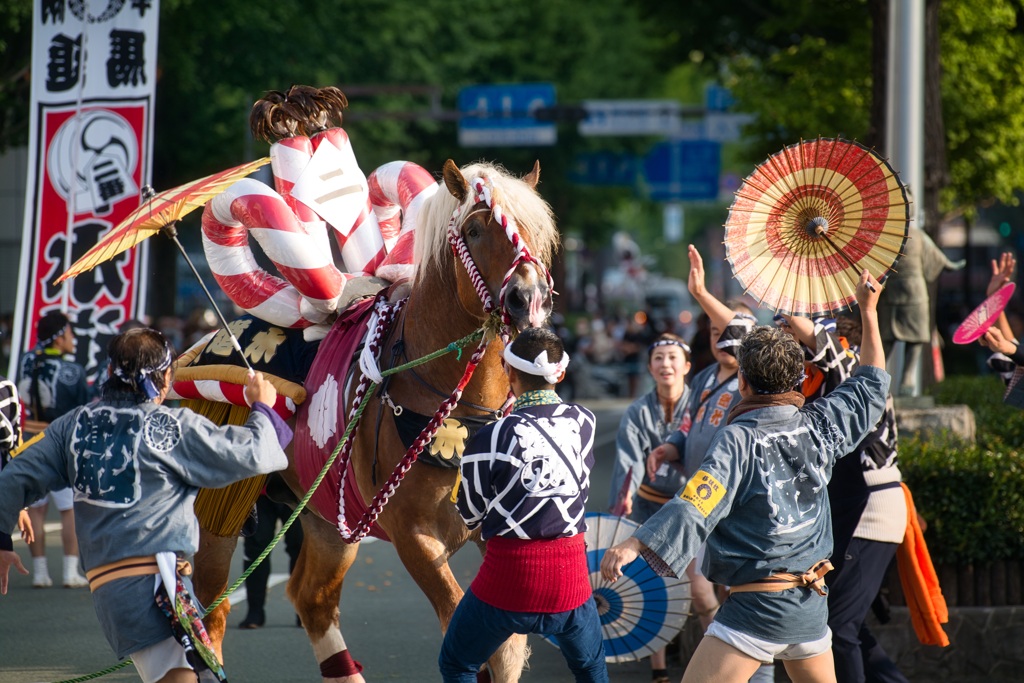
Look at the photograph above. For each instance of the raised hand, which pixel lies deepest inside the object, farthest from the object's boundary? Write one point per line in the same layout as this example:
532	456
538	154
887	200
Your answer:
695	282
868	291
1002	272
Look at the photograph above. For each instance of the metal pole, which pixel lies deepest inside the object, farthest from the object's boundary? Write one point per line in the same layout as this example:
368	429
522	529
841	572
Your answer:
905	105
905	131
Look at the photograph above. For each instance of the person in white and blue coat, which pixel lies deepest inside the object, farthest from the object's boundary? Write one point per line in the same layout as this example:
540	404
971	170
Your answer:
647	423
759	501
135	467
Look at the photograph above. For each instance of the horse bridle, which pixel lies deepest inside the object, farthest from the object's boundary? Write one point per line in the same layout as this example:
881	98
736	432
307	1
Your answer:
483	194
383	316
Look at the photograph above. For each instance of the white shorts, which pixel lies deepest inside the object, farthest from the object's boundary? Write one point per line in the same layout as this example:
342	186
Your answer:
155	661
764	650
63	499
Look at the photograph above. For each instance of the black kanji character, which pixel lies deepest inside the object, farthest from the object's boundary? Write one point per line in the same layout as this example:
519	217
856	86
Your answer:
89	286
96	327
109	184
127	63
53	9
65	65
142	6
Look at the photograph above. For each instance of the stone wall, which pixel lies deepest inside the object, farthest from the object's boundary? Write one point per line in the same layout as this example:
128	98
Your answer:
986	646
924	422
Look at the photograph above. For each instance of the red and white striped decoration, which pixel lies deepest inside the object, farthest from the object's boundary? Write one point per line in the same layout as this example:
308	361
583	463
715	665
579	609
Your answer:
294	235
398	191
224	392
312	284
358	236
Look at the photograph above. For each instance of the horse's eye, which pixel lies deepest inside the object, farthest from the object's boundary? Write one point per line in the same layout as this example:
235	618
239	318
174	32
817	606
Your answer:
472	232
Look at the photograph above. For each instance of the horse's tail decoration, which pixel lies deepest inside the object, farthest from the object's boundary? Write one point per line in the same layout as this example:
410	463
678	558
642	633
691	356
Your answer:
398	191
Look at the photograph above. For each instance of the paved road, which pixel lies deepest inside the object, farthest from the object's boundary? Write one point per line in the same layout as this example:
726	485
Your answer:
52	635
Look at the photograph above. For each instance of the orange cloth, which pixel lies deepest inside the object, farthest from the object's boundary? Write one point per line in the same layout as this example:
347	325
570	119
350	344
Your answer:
814	377
812	382
920	584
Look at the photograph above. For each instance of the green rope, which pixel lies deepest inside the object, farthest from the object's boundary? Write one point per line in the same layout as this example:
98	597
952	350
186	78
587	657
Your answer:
468	339
454	346
91	676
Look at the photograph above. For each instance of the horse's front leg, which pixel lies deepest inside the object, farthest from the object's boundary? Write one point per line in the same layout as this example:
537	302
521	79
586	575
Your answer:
213	566
315	591
425	556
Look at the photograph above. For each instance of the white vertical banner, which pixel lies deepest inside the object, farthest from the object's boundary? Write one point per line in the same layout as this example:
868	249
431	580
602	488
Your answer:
90	143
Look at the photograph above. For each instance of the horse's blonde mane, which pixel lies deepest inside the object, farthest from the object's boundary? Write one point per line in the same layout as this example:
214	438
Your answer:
518	201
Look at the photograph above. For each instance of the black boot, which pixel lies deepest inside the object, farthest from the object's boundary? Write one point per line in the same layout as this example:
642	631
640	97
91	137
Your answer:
253	619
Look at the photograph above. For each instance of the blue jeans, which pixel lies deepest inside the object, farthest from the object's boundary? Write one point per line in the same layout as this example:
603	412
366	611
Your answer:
477	630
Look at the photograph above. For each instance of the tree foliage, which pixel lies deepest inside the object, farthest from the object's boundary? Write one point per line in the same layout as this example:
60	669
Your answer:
15	48
214	66
804	67
983	100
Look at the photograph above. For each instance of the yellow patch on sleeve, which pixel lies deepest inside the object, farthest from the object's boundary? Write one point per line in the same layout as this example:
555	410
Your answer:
703	491
25	444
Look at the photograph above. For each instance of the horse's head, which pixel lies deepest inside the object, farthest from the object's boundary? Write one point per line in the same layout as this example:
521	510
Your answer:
502	229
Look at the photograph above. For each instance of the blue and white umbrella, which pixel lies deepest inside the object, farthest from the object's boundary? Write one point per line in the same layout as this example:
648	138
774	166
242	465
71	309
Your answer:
641	612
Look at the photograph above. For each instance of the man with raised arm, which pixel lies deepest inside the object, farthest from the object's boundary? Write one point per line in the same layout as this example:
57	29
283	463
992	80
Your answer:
766	472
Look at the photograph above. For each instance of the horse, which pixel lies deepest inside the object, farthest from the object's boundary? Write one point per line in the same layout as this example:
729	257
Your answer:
483	246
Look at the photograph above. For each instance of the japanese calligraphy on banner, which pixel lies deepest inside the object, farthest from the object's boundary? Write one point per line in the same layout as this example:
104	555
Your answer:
93	79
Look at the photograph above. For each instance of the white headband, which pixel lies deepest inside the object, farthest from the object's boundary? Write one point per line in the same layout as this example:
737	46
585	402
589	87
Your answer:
540	365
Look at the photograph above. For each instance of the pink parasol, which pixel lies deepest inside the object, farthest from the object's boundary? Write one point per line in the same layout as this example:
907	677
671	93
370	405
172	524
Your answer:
981	318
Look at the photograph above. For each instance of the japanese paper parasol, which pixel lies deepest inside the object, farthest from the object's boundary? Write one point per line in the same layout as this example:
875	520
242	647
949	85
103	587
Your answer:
976	324
807	221
641	612
156	212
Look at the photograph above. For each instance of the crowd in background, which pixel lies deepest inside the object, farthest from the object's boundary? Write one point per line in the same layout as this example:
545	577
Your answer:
609	353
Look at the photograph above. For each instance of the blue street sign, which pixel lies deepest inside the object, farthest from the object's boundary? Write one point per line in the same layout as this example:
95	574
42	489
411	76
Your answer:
717	98
683	170
503	115
607	169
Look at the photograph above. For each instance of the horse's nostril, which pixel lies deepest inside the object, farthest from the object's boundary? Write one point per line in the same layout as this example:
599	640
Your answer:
516	300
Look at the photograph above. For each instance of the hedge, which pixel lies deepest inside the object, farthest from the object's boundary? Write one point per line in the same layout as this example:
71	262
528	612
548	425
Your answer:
971	495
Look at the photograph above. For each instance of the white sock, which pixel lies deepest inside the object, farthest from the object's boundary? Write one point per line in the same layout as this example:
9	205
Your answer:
39	566
70	566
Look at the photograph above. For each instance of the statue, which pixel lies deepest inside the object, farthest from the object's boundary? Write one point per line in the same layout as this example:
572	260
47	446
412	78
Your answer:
905	310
